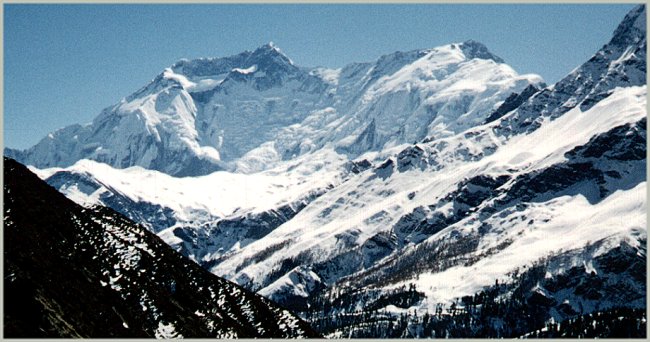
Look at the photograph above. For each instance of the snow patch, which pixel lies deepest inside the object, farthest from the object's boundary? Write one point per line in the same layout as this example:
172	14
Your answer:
246	71
166	330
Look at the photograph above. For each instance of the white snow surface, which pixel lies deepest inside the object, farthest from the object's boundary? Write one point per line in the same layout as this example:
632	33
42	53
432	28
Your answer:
166	331
246	116
249	70
547	145
573	223
299	282
219	195
441	93
365	206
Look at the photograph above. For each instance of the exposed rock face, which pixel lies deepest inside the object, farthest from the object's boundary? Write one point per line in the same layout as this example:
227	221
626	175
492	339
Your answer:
512	102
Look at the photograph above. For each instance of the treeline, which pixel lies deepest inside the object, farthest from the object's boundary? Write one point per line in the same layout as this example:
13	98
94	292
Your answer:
482	315
485	314
521	306
613	323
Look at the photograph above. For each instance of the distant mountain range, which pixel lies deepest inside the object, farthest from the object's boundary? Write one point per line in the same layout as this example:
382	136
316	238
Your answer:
430	193
249	111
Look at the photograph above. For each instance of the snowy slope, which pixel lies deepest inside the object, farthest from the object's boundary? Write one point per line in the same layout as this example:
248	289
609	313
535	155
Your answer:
406	97
153	128
204	216
558	231
220	194
453	200
249	111
351	215
572	192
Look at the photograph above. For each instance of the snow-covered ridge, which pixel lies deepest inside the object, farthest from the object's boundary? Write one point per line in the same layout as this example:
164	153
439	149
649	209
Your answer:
317	232
202	217
249	111
574	224
218	195
619	63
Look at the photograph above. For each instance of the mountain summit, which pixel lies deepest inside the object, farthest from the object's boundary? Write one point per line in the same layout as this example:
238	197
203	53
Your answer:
473	49
251	110
632	29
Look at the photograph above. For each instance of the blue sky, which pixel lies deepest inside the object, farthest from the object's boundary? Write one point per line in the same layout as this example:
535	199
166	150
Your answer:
64	63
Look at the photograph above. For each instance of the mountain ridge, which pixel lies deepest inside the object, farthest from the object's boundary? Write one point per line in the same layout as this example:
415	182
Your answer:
257	108
415	204
89	272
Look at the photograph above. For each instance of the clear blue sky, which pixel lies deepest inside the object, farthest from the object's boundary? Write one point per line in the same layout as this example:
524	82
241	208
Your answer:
64	63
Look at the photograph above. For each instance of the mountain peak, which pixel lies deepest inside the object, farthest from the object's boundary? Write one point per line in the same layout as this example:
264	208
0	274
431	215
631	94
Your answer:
632	29
271	53
267	55
270	61
270	46
474	49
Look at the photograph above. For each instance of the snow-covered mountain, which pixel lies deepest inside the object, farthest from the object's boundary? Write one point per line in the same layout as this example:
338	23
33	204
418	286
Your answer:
515	202
248	111
434	181
206	216
89	272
